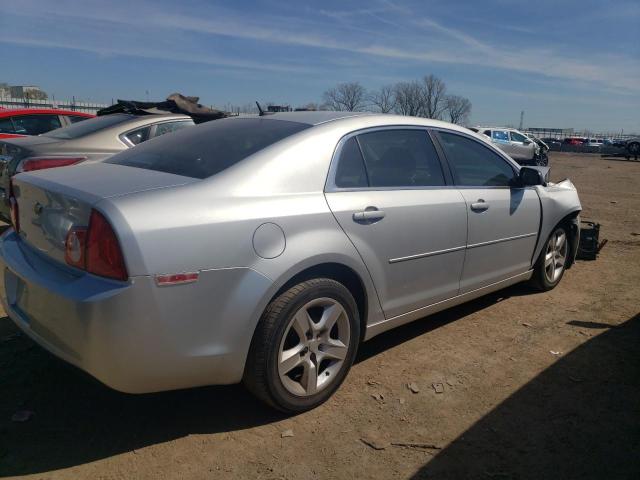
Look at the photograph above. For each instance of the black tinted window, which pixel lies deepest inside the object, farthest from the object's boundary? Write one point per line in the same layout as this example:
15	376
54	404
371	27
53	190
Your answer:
351	172
400	158
474	164
90	125
209	148
35	124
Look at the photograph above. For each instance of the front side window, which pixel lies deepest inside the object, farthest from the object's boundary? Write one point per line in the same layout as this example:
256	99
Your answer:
517	137
209	148
500	135
400	158
473	164
35	124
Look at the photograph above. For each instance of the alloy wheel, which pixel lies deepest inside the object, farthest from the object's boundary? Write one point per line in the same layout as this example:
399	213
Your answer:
555	255
314	347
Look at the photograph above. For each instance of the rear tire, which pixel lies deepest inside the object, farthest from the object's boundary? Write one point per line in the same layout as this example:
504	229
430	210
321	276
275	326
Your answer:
303	346
552	263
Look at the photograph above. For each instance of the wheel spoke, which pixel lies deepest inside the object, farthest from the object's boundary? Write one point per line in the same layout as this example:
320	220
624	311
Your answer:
560	241
309	380
290	359
548	259
302	323
329	317
334	349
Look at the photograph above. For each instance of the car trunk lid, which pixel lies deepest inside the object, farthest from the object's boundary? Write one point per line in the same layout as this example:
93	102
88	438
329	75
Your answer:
50	202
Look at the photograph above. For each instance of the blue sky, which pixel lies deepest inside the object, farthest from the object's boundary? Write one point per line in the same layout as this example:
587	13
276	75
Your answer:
573	63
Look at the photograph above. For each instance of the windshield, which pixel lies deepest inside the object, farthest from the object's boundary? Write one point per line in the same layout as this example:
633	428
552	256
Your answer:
88	126
209	148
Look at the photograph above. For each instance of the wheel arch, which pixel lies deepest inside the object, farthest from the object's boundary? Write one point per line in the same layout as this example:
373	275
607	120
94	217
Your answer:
341	273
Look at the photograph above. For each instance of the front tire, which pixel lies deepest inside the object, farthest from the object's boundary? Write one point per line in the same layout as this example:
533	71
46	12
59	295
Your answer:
553	260
303	346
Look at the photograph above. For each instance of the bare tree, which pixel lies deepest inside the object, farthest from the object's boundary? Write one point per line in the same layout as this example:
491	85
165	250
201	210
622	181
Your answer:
408	98
348	97
383	99
434	97
458	108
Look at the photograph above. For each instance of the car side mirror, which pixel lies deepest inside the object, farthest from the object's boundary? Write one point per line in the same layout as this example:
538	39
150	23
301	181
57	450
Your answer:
530	176
527	142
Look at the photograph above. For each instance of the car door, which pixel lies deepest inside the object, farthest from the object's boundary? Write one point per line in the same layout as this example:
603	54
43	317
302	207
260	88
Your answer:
388	191
503	219
522	147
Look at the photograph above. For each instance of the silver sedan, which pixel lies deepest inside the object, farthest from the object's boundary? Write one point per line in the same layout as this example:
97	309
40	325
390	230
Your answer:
265	249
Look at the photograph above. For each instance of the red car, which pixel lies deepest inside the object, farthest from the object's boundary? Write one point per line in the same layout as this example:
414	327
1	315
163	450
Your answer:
34	121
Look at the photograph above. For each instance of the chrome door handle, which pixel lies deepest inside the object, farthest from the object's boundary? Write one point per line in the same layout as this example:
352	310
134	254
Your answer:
369	215
480	206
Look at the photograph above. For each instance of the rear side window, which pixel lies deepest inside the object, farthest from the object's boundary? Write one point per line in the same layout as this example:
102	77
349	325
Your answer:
473	164
207	149
6	126
35	124
138	136
351	172
400	158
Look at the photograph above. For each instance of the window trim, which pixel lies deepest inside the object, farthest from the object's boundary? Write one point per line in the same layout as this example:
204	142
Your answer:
514	166
330	183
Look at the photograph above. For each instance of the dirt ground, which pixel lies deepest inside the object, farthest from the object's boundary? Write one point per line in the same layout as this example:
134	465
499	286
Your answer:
538	386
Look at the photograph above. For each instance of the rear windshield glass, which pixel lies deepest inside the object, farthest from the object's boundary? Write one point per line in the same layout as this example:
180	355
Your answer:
207	149
88	126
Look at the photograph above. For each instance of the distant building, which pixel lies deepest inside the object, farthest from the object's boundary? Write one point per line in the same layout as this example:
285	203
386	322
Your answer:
25	91
278	108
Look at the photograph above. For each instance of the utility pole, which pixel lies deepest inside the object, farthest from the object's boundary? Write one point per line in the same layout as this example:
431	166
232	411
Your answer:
521	120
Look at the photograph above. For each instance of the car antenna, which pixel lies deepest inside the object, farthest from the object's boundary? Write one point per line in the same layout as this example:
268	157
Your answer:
261	112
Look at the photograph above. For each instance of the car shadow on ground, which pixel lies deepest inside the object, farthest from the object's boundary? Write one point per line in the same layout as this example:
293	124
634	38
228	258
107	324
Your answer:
78	420
580	418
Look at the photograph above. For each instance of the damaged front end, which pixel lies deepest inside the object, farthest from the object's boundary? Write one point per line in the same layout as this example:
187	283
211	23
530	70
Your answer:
560	206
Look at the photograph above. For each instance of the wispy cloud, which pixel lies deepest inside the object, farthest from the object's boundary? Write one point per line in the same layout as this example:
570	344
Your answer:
420	39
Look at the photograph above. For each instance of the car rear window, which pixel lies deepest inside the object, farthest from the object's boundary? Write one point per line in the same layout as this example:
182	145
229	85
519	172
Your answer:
91	125
209	148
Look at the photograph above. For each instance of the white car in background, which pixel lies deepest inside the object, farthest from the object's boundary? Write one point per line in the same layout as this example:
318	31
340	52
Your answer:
514	143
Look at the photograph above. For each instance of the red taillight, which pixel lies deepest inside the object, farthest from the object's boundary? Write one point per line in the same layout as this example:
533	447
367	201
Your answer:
96	249
40	163
13	205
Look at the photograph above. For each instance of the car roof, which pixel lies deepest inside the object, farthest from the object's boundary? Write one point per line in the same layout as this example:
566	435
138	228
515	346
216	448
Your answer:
313	118
41	111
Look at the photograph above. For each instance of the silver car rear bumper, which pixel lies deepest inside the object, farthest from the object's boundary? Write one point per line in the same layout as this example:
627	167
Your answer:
134	336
